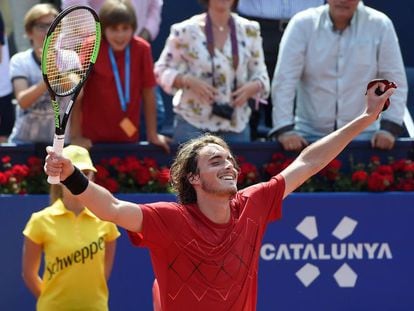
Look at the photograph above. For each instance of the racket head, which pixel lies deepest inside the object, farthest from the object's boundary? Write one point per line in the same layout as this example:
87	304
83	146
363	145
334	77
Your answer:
70	49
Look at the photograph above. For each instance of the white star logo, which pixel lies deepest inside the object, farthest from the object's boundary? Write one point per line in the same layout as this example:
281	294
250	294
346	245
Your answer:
307	274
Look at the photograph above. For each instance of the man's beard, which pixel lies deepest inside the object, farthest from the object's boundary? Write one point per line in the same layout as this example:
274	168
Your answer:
219	190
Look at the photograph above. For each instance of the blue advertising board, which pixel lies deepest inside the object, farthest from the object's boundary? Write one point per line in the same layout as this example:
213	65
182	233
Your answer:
344	251
330	251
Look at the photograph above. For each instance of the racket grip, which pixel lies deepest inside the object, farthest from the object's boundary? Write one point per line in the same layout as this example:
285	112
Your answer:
58	142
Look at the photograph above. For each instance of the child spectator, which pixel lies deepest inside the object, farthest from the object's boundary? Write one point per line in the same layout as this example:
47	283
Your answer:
108	109
34	117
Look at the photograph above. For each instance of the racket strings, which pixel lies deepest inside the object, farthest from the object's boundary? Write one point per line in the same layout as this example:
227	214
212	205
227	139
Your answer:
71	48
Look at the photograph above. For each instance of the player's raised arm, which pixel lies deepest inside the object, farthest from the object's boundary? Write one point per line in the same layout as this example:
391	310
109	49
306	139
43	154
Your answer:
96	198
316	156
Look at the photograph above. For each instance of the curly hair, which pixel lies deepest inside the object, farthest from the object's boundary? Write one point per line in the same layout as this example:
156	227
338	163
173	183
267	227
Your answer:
185	164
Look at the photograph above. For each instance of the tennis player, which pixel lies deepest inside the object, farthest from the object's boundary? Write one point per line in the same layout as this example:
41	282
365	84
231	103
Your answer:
205	248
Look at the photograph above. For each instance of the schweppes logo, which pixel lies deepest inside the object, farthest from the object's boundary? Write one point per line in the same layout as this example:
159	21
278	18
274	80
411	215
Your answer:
77	257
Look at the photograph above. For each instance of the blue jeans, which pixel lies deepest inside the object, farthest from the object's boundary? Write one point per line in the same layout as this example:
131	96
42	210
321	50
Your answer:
184	131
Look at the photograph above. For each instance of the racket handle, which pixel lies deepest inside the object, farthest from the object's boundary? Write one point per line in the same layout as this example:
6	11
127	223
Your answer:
58	142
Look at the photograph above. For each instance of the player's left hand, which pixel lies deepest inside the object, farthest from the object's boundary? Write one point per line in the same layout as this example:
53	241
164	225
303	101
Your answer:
377	96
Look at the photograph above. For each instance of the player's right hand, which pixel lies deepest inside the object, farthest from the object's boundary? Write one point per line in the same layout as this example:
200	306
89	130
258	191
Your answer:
56	165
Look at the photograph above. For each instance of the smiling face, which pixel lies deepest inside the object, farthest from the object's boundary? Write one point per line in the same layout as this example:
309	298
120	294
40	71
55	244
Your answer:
341	12
217	173
119	36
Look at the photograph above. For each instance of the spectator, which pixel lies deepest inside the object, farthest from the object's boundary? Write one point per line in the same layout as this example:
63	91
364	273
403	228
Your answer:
205	249
328	55
108	109
78	249
214	57
34	117
273	17
148	13
7	109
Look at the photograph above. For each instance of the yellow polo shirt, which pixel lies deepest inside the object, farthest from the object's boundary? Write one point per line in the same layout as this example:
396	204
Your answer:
74	258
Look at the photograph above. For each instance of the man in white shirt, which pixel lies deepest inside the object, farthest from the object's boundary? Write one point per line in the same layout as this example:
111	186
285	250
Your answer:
327	56
273	16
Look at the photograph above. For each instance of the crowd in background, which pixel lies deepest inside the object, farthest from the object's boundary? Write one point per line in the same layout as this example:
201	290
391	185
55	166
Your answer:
301	66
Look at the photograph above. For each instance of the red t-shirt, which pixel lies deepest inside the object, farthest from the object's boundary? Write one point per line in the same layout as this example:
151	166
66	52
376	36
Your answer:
204	266
101	108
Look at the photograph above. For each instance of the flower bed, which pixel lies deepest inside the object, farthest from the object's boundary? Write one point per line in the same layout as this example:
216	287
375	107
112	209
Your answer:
134	175
396	175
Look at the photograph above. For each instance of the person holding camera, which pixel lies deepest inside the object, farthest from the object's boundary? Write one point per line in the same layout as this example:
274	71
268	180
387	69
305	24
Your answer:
213	64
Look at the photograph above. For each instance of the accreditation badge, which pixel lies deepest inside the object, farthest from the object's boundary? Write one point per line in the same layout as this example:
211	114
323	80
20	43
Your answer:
128	127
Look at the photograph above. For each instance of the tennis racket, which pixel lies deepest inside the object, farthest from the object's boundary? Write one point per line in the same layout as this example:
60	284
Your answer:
69	52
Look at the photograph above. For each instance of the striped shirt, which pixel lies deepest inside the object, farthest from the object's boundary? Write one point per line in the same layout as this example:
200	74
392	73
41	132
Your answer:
275	9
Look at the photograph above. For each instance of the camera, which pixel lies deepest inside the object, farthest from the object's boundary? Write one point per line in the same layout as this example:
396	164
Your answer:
224	111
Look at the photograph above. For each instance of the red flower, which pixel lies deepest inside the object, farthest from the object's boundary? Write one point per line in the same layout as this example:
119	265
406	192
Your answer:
409	168
163	176
130	164
359	176
399	165
3	179
122	168
34	161
5	159
148	162
35	165
248	173
143	176
278	157
111	184
331	171
406	185
272	168
375	159
286	163
277	164
378	182
20	171
101	173
114	161
384	170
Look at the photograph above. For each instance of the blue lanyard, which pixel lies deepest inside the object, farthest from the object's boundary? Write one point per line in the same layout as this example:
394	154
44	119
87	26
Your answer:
124	99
